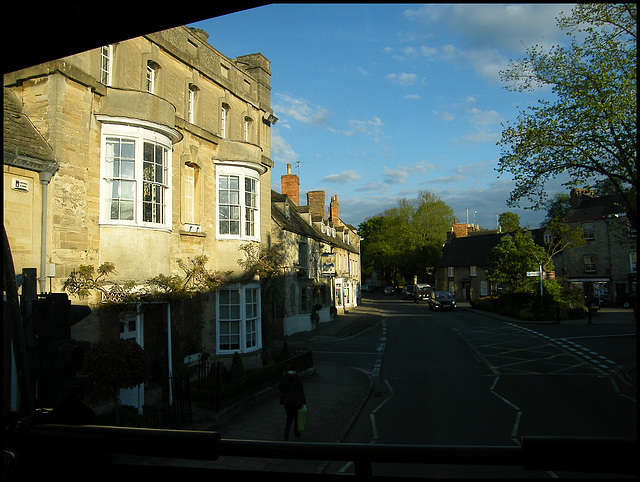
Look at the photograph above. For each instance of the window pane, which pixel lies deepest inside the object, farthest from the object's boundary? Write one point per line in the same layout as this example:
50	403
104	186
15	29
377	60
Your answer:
234	227
128	149
127	189
127	169
126	210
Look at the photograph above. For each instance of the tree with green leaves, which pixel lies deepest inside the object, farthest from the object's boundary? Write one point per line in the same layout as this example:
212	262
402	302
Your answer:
406	240
589	130
509	222
512	257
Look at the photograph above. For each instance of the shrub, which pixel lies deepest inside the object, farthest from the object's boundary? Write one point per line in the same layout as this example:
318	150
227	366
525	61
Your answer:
237	367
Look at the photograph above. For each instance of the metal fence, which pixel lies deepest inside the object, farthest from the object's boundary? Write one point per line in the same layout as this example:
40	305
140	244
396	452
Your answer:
212	388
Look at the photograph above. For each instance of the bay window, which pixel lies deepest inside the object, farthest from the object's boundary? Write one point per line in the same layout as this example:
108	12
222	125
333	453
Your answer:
136	177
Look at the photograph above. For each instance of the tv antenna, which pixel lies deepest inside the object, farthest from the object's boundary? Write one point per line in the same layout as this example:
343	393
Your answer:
298	166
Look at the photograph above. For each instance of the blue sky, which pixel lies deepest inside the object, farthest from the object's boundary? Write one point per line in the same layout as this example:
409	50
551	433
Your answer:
377	102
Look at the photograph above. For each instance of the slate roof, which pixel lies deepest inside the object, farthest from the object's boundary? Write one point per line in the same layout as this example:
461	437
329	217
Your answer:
297	224
23	145
468	251
591	208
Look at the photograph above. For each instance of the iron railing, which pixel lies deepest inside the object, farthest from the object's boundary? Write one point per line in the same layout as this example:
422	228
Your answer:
213	389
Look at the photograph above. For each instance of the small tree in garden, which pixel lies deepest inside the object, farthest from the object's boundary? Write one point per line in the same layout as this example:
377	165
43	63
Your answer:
116	363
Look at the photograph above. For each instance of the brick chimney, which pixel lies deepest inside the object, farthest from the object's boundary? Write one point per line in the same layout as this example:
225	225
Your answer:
315	201
334	215
291	185
460	230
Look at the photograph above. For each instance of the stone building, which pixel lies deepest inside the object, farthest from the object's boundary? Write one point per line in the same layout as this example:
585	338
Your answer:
323	257
154	150
461	268
605	265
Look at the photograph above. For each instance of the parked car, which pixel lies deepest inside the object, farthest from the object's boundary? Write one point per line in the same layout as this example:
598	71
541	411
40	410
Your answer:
366	289
442	300
389	290
627	301
421	292
407	292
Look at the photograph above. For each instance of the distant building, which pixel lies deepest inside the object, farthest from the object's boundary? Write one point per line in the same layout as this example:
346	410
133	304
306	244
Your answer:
461	268
323	257
606	265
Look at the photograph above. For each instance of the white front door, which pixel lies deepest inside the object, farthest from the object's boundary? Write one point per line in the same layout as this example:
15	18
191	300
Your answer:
131	329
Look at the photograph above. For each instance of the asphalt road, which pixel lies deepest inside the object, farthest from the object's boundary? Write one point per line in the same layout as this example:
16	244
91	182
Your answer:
457	378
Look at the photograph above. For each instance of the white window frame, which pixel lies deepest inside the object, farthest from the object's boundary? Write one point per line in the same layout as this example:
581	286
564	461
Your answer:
588	231
473	271
106	64
248	122
139	136
224	114
151	77
590	263
246	211
191	104
239	323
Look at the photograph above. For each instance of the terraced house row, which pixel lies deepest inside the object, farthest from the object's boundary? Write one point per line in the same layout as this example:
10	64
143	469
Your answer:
154	154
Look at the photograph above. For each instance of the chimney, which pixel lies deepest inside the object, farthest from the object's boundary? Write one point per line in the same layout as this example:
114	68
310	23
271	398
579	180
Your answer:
334	215
315	201
291	185
459	230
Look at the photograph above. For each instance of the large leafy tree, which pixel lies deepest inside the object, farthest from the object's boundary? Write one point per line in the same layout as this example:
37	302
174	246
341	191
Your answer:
512	257
406	240
589	130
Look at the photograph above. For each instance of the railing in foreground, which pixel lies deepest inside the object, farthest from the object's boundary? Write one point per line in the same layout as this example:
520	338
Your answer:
580	454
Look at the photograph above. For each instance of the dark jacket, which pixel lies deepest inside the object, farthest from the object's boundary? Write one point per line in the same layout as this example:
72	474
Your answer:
291	387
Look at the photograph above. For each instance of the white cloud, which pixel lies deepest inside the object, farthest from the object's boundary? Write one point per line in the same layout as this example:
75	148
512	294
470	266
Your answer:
300	109
489	35
345	177
281	150
404	78
444	115
484	118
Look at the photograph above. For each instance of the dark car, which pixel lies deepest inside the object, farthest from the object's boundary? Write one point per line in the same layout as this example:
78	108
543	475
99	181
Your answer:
442	300
389	290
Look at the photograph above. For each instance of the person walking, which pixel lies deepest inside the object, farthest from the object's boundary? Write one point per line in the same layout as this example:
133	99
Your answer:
293	398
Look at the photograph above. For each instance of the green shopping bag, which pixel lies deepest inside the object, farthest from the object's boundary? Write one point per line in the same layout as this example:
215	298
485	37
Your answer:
303	419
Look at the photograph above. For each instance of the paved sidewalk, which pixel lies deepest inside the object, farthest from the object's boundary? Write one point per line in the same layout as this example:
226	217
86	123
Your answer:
335	395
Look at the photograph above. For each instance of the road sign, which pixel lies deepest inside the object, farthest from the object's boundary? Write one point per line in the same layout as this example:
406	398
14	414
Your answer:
533	273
